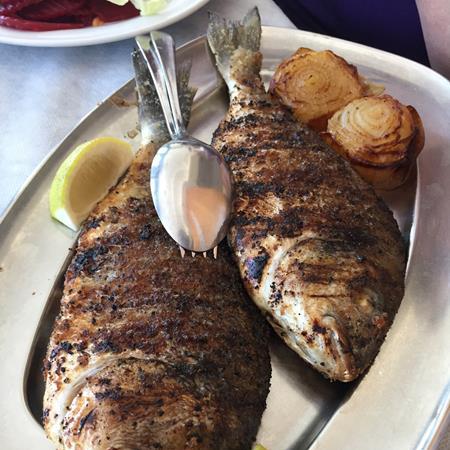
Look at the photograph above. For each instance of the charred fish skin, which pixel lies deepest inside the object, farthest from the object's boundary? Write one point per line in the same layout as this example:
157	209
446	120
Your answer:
151	351
319	253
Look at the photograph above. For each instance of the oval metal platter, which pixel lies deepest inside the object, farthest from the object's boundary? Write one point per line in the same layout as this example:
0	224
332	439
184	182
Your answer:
403	400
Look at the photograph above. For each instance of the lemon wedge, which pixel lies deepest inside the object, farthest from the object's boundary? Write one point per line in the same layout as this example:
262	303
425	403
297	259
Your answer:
86	176
258	447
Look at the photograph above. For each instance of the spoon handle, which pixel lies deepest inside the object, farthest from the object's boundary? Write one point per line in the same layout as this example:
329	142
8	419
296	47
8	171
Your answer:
159	55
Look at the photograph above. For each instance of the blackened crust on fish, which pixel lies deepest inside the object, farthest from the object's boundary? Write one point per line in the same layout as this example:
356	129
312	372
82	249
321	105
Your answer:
334	259
255	266
182	353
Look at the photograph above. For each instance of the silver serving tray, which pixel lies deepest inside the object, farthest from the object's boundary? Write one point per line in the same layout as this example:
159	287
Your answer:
401	403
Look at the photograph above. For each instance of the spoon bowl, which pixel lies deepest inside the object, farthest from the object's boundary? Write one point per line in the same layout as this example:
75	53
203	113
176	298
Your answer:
192	191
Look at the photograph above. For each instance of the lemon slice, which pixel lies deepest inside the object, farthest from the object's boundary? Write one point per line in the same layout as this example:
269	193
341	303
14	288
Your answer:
85	177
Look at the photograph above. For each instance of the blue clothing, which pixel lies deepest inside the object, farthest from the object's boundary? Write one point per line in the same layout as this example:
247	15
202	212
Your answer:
391	25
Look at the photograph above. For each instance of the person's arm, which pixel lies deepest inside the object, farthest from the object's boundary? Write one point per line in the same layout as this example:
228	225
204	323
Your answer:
435	20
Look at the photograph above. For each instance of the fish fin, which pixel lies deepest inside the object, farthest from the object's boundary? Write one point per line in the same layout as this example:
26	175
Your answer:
228	38
151	117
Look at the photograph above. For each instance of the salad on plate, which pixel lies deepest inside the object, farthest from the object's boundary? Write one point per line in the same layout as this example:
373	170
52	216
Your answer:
50	15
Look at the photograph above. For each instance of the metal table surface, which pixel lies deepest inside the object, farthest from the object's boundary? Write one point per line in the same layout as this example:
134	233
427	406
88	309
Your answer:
46	91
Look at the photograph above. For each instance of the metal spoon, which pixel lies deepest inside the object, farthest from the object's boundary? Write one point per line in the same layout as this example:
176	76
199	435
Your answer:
190	182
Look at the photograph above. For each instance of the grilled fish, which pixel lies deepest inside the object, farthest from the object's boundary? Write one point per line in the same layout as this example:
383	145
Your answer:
151	351
318	251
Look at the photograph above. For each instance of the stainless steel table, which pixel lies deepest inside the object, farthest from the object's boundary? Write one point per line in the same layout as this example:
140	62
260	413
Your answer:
44	92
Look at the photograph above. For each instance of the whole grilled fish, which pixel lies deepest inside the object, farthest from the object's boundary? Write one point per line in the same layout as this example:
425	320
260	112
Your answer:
151	351
318	251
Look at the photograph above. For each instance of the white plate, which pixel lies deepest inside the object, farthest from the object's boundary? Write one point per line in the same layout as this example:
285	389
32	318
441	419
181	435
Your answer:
111	32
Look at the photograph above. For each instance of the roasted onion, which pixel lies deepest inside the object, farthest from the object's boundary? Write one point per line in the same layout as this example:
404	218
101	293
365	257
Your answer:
380	137
316	84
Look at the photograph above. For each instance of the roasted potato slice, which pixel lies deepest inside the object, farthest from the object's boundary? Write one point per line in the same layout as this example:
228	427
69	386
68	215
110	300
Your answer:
380	137
316	84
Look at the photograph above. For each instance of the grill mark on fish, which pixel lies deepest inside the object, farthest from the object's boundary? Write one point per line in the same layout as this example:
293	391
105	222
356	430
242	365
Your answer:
255	266
89	418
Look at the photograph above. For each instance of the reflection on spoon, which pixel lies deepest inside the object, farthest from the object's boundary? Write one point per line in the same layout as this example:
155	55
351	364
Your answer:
205	213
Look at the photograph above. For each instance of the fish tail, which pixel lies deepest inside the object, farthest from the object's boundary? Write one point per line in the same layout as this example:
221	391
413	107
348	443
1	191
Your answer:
151	117
235	45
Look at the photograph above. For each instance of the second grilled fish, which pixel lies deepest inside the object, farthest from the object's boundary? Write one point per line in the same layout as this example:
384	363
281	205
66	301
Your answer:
318	251
151	351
